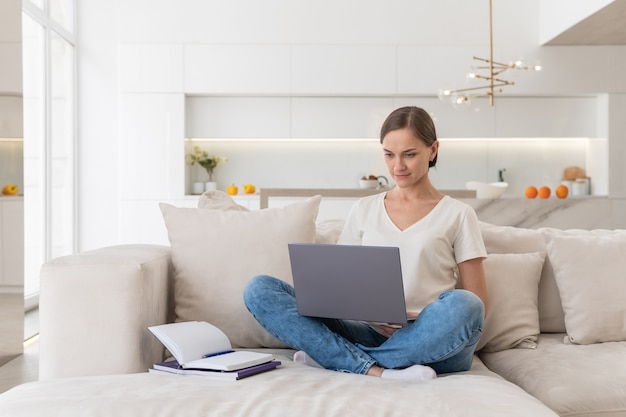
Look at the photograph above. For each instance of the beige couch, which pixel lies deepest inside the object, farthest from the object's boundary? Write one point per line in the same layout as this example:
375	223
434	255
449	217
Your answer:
553	341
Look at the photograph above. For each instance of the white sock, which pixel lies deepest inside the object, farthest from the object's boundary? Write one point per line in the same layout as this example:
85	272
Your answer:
412	373
301	357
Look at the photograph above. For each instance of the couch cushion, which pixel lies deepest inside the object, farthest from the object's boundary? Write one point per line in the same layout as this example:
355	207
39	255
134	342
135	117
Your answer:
216	252
512	317
509	239
290	390
590	272
573	380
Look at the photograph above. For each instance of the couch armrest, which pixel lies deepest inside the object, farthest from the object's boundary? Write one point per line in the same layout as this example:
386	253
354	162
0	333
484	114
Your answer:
95	308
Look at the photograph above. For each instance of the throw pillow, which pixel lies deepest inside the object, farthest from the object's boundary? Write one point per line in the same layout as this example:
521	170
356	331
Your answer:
590	272
215	253
510	239
218	200
512	286
328	231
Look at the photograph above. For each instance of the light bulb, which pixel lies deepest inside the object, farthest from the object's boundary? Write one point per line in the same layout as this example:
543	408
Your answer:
460	101
444	95
472	77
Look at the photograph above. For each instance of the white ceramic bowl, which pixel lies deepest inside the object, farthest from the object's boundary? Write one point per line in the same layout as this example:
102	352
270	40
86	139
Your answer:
368	183
487	190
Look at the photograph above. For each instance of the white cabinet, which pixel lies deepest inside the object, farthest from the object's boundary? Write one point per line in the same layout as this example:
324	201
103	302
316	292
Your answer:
11	117
616	130
454	123
152	132
338	117
534	117
141	221
237	69
249	201
415	68
361	117
11	68
343	70
12	243
151	68
238	117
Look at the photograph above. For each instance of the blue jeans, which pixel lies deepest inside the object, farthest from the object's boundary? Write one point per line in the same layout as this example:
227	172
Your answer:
443	336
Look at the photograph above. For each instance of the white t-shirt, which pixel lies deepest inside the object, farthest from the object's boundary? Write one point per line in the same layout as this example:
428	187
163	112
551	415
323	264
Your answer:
430	249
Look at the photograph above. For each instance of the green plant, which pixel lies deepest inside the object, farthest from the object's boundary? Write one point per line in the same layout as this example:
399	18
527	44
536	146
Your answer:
202	158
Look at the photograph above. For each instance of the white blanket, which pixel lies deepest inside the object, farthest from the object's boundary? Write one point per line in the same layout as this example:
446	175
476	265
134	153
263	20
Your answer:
291	390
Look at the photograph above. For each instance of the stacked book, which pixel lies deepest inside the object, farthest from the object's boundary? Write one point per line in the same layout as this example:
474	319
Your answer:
200	348
172	367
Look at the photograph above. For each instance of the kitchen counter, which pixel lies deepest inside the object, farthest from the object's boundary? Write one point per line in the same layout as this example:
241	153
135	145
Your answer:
266	193
569	213
589	212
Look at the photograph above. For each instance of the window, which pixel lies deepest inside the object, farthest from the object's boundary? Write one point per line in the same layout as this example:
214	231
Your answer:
49	135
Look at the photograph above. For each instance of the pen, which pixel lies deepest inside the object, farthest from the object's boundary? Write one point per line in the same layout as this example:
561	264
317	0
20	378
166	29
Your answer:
208	355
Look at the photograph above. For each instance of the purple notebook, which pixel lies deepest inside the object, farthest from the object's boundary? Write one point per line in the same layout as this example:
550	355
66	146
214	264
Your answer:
172	367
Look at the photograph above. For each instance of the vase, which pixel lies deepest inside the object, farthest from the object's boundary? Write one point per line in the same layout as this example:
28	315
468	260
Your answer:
210	186
197	188
210	172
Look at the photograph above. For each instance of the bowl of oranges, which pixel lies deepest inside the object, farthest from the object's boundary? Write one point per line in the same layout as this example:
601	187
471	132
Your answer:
487	190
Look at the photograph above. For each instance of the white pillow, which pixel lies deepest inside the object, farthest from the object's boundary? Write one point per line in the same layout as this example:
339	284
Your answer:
512	286
328	231
510	239
216	252
590	272
218	200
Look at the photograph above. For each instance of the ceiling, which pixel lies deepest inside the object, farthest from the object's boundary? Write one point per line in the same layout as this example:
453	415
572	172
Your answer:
605	27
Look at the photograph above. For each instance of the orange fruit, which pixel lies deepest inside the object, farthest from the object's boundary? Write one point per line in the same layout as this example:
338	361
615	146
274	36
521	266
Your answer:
544	192
9	189
561	191
249	188
232	189
531	191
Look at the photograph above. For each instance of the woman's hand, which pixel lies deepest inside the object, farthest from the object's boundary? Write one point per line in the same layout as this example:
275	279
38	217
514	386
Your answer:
389	329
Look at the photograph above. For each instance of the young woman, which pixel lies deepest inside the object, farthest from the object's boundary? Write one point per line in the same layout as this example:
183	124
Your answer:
440	246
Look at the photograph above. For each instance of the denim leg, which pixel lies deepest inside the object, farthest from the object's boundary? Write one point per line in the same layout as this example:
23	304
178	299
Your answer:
443	336
272	302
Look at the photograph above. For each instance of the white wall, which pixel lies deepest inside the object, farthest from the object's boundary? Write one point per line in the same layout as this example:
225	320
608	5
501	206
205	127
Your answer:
559	15
139	59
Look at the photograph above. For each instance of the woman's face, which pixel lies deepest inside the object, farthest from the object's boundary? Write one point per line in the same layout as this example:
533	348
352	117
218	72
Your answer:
407	157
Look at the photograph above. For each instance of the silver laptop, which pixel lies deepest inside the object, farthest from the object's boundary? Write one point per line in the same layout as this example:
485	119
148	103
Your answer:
348	282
